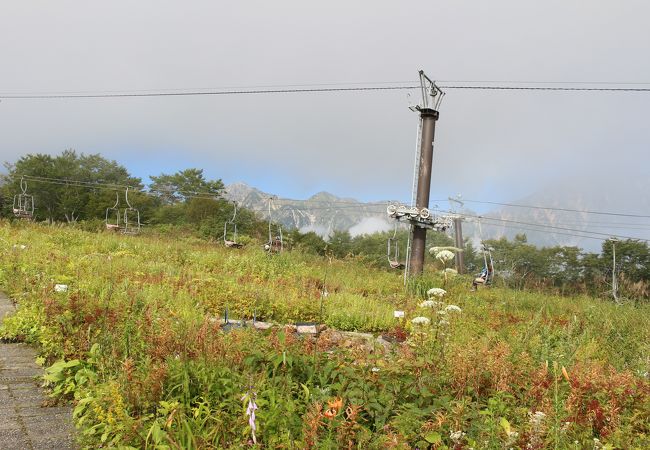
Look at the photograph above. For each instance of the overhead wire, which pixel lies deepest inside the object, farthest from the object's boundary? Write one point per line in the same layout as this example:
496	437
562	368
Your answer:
547	88
550	208
462	85
589	225
114	187
331	88
291	202
546	231
552	82
185	194
519	227
211	88
193	194
609	235
202	93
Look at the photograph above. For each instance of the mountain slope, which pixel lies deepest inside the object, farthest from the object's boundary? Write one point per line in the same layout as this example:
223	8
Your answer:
322	213
325	212
545	227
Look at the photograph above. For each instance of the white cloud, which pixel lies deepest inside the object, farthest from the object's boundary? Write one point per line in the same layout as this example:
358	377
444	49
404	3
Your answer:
322	231
370	225
356	144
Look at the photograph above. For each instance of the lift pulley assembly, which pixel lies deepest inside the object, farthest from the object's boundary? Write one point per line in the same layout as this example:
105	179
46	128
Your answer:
420	217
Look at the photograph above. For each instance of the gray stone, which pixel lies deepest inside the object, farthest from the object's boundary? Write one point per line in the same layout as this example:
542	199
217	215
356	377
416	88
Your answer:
262	325
306	329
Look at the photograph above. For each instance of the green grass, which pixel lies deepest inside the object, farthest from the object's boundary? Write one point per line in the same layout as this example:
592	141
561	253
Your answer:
146	366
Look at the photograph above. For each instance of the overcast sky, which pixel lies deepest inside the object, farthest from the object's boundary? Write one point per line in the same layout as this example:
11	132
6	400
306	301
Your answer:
489	145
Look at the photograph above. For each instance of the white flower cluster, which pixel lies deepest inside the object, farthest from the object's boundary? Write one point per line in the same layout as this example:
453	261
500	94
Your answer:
60	288
430	304
440	308
453	308
434	250
536	419
512	438
445	256
420	320
456	436
436	292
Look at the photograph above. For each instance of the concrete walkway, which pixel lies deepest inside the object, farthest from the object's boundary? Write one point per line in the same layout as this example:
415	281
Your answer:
24	423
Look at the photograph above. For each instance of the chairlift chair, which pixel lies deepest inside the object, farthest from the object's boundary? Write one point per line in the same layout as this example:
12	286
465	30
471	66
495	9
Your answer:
488	261
231	243
131	217
23	207
487	274
392	246
113	215
489	264
275	244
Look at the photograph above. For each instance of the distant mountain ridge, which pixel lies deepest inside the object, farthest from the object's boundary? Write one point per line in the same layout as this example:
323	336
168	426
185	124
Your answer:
324	213
572	228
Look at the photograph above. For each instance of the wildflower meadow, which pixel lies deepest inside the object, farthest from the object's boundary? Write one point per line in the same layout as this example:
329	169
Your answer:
132	333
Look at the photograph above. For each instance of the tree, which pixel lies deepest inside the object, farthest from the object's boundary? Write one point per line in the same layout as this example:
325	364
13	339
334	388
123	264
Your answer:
632	258
200	209
184	185
69	187
517	261
308	242
340	242
473	264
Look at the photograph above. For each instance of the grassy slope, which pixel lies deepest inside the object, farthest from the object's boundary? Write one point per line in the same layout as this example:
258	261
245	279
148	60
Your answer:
144	299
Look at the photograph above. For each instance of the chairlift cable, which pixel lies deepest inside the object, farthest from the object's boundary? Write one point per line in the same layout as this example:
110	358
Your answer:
557	228
518	227
106	186
291	202
194	194
605	213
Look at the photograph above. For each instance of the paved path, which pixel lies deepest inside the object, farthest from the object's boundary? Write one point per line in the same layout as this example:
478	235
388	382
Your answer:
24	423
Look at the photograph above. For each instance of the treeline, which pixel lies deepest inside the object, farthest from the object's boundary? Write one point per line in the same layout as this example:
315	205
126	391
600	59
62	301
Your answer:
73	187
78	188
569	270
520	265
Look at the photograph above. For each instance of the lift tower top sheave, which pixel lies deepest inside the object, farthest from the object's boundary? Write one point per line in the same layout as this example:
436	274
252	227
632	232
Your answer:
428	110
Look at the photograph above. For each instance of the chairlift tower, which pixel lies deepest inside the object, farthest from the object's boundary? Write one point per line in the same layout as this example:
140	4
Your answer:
275	244
232	225
418	215
458	234
614	278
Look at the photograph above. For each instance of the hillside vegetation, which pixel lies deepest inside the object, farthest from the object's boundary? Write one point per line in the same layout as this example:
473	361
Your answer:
136	343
